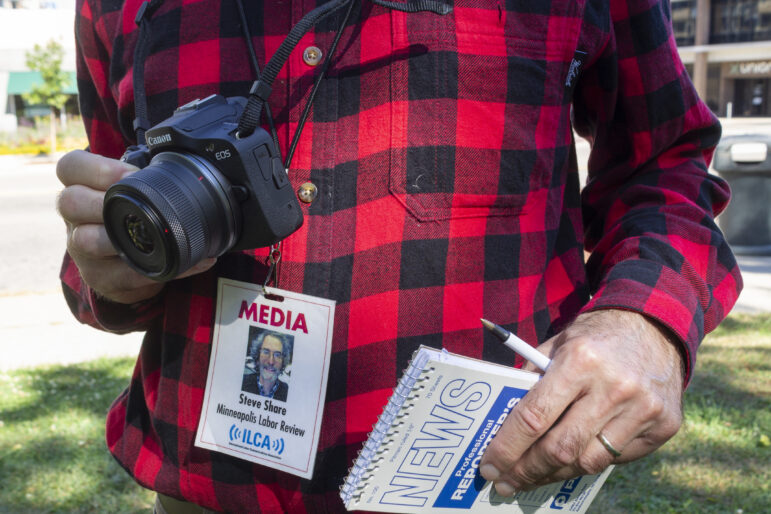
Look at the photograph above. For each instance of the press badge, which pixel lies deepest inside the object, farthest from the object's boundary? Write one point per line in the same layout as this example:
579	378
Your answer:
267	380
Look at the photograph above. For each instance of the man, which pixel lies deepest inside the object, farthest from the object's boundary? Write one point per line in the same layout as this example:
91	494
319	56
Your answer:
271	352
441	147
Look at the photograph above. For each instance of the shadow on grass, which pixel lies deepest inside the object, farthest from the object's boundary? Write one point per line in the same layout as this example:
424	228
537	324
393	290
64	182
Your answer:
715	463
674	479
644	488
53	457
719	389
738	385
88	387
761	360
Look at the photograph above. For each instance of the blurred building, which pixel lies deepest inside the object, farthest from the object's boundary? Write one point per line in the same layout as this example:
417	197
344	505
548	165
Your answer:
24	23
726	46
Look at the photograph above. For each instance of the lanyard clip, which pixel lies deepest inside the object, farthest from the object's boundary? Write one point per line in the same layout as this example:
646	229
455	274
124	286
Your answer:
274	257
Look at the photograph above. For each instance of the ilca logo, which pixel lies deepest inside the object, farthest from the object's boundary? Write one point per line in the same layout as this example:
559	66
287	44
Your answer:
256	439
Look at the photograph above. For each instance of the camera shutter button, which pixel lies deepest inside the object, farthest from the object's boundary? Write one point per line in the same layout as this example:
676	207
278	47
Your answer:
307	192
312	56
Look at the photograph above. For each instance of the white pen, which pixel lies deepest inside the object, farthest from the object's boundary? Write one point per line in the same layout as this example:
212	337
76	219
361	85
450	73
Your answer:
518	345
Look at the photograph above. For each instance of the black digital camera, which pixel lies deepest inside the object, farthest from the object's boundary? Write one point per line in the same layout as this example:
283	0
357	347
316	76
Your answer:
203	190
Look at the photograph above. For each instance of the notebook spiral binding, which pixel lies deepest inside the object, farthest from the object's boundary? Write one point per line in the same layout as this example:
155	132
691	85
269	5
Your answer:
383	431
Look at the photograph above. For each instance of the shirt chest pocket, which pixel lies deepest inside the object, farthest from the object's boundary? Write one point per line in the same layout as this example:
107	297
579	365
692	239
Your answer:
478	113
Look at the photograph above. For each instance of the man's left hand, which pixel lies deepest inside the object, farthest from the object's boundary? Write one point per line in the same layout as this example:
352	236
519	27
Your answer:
613	373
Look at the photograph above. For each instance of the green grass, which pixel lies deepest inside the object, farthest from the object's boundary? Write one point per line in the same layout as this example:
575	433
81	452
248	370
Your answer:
53	457
720	461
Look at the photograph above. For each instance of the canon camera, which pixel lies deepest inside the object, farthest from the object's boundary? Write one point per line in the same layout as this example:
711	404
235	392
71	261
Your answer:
203	190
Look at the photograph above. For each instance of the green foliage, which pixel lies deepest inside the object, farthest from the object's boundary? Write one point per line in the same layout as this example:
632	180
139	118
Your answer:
47	60
34	140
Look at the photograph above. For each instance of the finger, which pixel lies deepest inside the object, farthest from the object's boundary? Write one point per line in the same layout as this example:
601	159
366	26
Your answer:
529	420
90	241
113	279
120	283
621	433
141	288
628	373
595	457
198	268
91	170
565	443
604	395
642	428
644	424
80	204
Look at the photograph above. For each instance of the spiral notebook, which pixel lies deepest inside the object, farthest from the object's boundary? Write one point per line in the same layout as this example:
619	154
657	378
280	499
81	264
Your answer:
423	453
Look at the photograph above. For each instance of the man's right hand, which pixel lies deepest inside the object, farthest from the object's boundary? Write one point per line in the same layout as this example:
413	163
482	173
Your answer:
86	177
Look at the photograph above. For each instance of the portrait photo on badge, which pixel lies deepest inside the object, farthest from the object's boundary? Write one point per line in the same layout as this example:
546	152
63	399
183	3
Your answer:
267	368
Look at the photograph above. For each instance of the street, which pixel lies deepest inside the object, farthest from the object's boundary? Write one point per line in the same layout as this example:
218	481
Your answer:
35	323
28	220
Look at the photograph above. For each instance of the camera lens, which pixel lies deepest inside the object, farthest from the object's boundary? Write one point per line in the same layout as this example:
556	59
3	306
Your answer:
167	217
138	232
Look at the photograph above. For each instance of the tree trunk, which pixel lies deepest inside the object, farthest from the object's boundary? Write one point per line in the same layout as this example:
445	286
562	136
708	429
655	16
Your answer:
52	132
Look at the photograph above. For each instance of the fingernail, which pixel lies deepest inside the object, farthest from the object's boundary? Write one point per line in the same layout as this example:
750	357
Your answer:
504	489
489	472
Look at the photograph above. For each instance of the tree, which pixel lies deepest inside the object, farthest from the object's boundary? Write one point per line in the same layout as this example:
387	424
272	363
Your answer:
47	60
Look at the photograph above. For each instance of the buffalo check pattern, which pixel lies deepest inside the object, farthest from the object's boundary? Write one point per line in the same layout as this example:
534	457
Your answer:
443	152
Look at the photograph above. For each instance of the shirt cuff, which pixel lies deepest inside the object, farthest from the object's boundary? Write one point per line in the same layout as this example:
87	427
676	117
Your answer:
123	318
92	309
661	294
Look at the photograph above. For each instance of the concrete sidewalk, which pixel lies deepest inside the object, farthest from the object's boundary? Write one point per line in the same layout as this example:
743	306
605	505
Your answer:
38	328
756	295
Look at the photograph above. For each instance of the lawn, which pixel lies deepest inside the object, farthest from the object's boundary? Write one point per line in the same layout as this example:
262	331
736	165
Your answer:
53	456
720	461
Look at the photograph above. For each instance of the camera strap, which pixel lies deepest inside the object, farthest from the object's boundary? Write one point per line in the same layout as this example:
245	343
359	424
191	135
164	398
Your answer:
257	72
316	85
261	89
141	51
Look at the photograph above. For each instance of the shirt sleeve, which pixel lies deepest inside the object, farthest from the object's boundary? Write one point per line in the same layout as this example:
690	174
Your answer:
98	106
649	203
92	309
99	111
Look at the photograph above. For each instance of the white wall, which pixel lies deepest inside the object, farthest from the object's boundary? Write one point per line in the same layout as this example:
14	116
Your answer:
20	30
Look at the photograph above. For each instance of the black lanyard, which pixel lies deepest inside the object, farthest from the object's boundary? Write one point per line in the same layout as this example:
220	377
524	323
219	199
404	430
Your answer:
262	87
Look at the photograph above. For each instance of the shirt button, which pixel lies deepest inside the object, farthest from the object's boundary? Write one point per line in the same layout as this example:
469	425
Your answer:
312	55
307	192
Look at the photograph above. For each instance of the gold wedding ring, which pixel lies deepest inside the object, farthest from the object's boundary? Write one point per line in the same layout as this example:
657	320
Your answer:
608	446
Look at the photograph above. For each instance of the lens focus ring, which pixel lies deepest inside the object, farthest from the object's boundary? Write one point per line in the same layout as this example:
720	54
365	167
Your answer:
186	210
177	210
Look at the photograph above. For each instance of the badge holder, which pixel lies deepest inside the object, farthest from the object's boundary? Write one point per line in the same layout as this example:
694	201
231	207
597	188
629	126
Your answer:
267	377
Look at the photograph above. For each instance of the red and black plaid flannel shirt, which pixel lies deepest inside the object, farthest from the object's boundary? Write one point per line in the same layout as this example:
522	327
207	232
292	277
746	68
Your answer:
443	152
